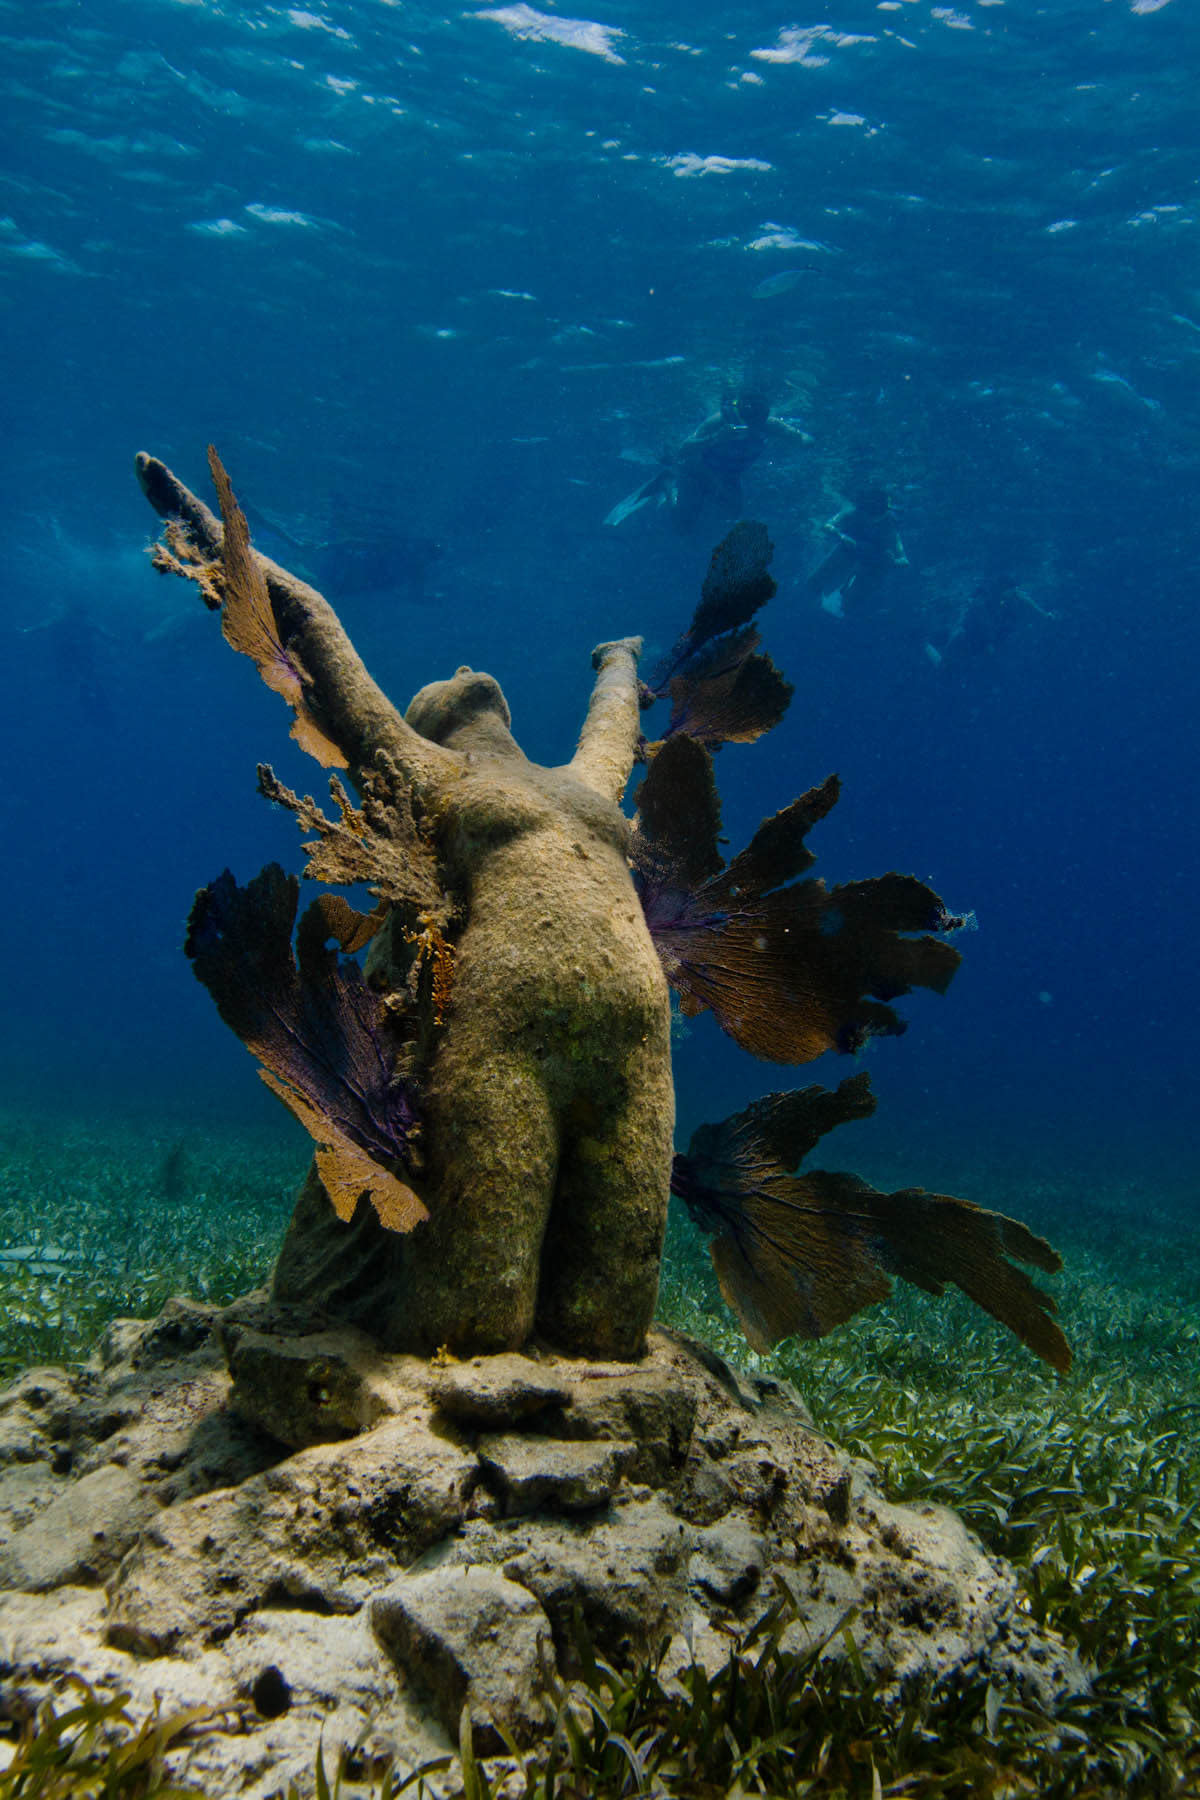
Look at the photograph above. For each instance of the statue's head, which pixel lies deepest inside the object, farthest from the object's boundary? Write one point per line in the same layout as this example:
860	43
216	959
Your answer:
470	697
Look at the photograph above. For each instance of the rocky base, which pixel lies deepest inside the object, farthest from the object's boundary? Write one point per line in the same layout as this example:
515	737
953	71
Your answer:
242	1510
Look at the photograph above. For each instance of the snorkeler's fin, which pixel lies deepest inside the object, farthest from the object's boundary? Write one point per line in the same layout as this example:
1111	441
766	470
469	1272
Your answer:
658	489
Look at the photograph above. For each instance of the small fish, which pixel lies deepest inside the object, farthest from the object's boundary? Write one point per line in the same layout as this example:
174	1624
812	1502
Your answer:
40	1259
782	283
38	1253
1110	378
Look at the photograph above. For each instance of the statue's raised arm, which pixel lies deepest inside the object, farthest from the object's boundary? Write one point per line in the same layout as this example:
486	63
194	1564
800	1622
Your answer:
289	630
608	741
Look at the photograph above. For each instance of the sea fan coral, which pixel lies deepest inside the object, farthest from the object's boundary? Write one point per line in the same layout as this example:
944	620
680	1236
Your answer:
799	1254
722	689
324	1039
790	969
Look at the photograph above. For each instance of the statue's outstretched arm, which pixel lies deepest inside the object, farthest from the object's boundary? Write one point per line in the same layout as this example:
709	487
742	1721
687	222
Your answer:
609	739
330	688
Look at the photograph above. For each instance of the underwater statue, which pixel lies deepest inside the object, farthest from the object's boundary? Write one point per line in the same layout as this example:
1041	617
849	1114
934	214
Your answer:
490	1089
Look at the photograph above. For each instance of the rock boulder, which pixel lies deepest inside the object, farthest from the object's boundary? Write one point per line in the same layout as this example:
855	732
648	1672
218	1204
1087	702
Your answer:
258	1511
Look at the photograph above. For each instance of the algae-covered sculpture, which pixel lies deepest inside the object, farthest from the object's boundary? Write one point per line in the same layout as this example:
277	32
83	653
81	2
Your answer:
490	1090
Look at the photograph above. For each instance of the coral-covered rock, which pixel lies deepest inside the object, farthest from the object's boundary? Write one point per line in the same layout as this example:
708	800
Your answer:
471	1638
81	1534
368	1586
621	1578
496	1391
313	1387
320	1530
541	1474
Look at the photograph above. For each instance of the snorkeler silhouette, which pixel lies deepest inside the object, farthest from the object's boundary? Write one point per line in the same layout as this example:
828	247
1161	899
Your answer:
701	481
868	547
993	614
372	558
77	648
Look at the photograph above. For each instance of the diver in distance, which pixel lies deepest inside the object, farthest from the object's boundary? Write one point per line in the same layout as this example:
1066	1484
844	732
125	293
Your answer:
868	547
372	558
701	481
76	645
994	613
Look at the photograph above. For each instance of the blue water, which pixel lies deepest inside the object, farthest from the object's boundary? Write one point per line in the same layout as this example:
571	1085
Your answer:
459	276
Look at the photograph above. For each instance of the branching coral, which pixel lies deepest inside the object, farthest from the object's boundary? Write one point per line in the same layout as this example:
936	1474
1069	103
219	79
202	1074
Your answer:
378	844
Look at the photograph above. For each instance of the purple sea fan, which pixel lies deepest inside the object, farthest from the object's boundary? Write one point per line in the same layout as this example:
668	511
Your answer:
796	1255
322	1036
789	968
738	582
722	688
728	692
